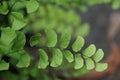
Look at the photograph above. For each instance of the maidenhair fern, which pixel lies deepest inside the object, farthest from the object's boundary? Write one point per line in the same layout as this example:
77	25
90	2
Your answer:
90	55
4	65
53	28
43	62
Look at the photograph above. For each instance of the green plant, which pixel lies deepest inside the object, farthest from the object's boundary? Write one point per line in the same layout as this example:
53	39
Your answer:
54	31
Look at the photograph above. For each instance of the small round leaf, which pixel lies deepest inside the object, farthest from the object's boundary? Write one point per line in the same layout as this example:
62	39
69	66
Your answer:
34	40
43	62
78	44
69	56
65	39
57	58
90	51
82	30
51	37
24	61
89	63
101	67
4	65
32	6
98	55
78	61
18	20
19	41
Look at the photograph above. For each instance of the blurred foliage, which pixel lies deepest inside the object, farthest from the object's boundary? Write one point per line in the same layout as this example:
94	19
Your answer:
55	30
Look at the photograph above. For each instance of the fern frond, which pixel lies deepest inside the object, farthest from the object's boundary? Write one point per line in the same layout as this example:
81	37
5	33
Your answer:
89	57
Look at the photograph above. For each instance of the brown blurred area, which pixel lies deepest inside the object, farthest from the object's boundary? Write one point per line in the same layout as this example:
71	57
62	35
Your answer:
104	33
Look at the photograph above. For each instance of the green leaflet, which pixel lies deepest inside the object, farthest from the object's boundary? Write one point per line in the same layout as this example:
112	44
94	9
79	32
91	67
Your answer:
6	40
3	48
78	44
57	58
101	67
7	36
69	56
82	30
18	5
16	54
43	62
4	65
18	21
51	38
98	55
116	4
24	61
32	6
64	40
83	8
4	8
34	40
89	63
20	41
90	51
78	61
